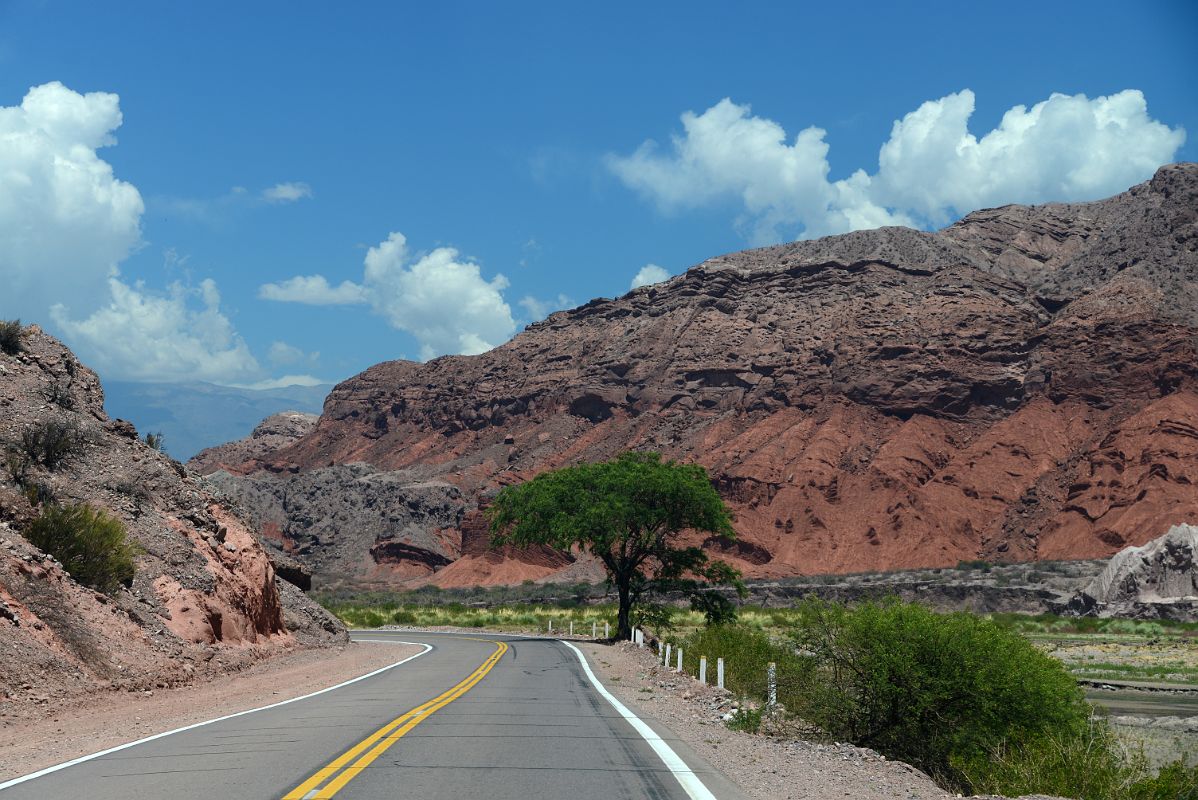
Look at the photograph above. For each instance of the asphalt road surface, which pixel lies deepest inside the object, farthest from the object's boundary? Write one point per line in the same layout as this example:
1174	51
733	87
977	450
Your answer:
483	716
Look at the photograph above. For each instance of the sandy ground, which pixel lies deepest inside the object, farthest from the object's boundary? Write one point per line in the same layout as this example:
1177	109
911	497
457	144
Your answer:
31	739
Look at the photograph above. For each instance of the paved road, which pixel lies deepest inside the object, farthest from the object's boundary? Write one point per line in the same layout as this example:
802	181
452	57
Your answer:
489	717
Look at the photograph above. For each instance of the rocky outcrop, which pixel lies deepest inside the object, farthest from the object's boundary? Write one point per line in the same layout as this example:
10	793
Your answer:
352	522
1155	580
204	598
1021	385
274	432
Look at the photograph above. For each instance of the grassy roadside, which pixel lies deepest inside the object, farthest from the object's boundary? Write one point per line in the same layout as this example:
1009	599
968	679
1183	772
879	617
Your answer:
1099	649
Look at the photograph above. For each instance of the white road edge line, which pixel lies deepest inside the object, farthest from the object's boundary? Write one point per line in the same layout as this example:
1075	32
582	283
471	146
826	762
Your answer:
81	759
674	763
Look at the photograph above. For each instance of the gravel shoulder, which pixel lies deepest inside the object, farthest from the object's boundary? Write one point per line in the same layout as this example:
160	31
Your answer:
763	767
32	738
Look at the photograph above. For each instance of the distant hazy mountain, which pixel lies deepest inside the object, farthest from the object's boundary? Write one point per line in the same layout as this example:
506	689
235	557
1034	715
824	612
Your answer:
192	416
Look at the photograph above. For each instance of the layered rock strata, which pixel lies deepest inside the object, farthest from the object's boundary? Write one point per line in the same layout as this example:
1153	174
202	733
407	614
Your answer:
1018	386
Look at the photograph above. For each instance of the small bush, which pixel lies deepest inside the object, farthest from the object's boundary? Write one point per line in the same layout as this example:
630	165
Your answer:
91	545
59	394
155	441
939	691
39	494
746	719
16	466
403	618
10	337
50	443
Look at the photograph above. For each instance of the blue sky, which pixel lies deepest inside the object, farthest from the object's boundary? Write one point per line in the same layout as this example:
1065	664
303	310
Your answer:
398	158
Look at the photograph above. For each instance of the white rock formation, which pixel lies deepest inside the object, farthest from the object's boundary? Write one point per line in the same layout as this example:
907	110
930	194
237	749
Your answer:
1163	571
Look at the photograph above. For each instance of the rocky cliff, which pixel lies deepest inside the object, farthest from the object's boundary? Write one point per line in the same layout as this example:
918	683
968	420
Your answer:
1157	579
204	598
1018	386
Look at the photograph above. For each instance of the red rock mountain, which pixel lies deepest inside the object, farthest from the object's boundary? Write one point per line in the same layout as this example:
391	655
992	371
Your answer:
1020	385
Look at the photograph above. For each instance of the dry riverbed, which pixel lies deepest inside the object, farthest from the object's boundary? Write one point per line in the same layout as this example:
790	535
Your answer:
33	737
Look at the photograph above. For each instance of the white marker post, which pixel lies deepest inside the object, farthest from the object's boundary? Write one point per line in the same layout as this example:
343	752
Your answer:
771	684
665	662
719	673
606	630
550	627
703	669
571	627
594	629
679	660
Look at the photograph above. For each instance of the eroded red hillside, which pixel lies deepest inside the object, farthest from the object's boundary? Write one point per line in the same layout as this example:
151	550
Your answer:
1018	386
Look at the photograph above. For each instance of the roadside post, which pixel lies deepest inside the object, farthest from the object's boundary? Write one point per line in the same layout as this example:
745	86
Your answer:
571	627
703	669
771	684
550	627
719	673
606	630
594	628
679	660
665	662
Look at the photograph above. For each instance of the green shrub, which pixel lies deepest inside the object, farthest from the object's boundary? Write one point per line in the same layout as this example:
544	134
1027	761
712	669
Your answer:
155	441
51	442
940	692
1089	765
10	337
403	618
91	545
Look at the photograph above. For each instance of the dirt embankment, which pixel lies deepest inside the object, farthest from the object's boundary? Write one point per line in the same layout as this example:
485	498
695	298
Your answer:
203	598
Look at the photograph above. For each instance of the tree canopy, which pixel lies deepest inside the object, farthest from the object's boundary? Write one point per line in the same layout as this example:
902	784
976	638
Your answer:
628	512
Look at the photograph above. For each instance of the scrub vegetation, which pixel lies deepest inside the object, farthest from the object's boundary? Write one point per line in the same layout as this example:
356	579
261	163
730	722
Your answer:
91	545
976	702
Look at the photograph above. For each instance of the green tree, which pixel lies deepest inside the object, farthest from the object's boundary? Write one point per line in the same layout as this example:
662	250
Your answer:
627	512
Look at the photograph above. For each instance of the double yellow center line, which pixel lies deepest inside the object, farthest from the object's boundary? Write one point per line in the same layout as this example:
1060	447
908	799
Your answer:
332	779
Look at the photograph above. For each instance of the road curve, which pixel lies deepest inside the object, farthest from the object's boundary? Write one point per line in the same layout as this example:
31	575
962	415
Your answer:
477	716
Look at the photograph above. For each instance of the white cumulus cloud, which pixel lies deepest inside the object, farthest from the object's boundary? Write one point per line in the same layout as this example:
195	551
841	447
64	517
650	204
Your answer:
538	309
313	290
66	221
282	354
287	192
650	273
439	297
145	336
930	170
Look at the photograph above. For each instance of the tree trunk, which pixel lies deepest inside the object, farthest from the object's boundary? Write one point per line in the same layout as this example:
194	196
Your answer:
623	620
